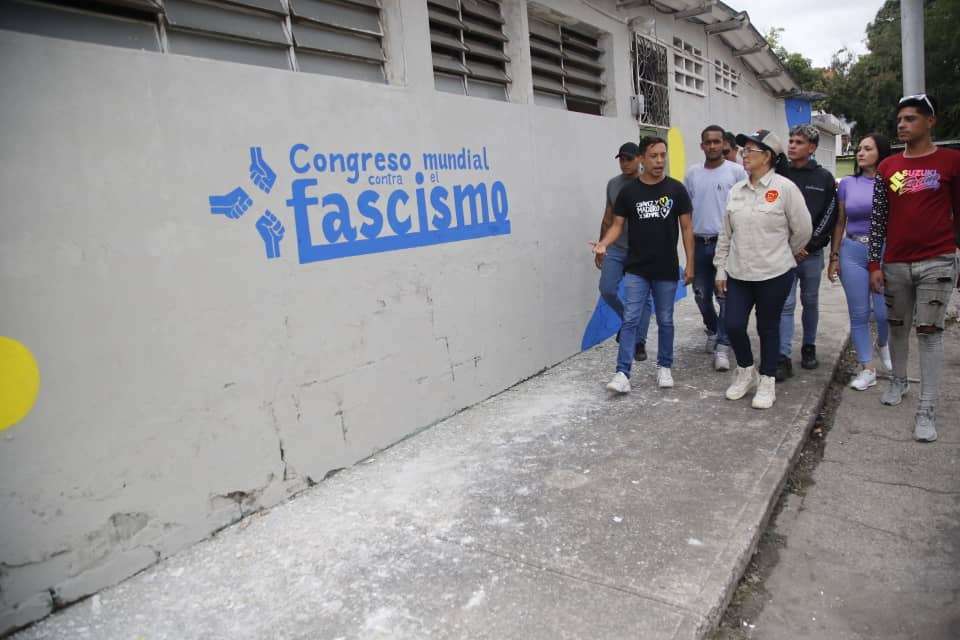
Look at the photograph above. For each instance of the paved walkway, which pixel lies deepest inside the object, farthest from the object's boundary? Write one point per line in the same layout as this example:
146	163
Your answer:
873	549
550	511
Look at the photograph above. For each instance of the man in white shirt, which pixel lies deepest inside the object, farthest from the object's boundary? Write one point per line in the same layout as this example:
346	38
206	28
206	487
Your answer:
709	185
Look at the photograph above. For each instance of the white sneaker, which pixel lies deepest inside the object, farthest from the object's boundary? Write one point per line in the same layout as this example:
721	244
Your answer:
766	393
620	383
865	379
664	378
885	357
711	344
744	380
720	361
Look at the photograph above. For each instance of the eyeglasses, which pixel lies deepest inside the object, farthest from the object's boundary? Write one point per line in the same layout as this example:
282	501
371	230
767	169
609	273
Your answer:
747	151
919	97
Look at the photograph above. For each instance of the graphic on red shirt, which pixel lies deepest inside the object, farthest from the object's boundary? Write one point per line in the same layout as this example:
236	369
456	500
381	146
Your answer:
771	196
914	180
922	197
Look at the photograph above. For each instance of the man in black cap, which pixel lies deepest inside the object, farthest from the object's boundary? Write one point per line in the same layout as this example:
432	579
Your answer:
612	263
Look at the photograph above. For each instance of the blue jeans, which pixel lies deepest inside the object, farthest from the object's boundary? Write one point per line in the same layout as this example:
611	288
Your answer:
809	272
636	289
705	274
610	276
856	285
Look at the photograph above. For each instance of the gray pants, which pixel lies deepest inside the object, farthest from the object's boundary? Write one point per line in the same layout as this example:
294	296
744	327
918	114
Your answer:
917	294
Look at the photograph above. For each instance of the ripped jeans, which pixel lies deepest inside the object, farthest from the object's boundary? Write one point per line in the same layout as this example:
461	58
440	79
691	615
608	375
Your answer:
917	294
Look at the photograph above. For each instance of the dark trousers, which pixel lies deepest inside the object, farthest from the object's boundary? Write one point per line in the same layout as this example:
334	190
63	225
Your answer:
768	296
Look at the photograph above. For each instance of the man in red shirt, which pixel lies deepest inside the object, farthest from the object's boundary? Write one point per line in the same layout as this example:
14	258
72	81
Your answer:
916	203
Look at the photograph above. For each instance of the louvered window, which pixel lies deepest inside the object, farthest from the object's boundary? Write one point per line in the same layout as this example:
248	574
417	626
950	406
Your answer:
567	67
332	37
467	41
338	38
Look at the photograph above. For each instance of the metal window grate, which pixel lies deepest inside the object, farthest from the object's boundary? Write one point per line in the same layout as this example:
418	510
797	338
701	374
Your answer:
334	37
650	77
567	67
467	42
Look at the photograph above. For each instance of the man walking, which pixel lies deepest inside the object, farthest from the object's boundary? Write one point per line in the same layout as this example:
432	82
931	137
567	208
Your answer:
913	231
657	208
820	194
611	264
709	185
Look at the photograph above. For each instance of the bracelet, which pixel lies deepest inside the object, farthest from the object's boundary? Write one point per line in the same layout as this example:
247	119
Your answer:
834	258
835	255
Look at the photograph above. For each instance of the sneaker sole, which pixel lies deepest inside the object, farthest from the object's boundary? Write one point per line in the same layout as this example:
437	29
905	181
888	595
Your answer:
614	389
894	404
931	439
665	386
872	384
740	397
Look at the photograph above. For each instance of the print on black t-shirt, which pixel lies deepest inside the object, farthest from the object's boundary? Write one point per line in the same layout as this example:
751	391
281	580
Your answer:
653	213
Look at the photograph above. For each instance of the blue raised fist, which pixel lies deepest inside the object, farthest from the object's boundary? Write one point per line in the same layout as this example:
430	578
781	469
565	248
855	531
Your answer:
233	205
260	172
271	230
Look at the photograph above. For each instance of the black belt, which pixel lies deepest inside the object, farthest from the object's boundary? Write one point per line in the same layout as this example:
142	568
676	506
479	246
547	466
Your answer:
707	239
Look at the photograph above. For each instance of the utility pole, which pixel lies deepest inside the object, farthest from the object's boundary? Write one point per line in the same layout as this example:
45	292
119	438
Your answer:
911	42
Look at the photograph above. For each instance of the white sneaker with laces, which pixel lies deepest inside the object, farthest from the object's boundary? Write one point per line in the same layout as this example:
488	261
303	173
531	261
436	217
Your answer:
720	361
766	393
865	379
744	380
620	383
664	378
885	357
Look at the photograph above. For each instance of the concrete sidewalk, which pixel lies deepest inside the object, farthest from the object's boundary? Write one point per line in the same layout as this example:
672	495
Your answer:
873	548
549	511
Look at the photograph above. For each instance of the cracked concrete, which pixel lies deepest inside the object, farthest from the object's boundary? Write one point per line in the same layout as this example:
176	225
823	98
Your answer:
551	510
872	550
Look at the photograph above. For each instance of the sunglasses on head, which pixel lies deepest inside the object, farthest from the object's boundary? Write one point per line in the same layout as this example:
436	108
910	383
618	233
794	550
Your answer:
919	97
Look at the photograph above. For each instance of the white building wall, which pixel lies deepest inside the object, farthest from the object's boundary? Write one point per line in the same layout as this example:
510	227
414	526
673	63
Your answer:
186	379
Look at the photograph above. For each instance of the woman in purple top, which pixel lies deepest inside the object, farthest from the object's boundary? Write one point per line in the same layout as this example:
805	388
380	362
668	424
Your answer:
848	259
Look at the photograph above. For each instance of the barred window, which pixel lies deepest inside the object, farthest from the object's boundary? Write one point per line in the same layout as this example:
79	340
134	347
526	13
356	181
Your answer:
332	37
567	67
726	78
688	66
467	42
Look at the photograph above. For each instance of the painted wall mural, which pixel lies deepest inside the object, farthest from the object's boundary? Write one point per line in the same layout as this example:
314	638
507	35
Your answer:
19	382
392	201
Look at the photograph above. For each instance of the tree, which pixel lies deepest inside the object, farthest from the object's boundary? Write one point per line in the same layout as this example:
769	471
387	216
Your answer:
866	89
807	76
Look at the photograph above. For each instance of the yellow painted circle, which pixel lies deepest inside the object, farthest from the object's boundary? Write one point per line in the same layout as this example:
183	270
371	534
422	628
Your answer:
19	382
675	154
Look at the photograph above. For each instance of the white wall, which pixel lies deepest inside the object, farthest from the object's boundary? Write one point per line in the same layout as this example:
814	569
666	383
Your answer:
178	363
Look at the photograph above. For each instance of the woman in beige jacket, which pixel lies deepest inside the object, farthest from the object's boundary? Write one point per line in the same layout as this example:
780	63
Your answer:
766	224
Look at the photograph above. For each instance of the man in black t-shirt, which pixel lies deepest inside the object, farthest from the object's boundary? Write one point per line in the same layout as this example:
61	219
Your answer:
659	209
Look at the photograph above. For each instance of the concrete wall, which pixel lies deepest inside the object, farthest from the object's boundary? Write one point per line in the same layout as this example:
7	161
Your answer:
187	379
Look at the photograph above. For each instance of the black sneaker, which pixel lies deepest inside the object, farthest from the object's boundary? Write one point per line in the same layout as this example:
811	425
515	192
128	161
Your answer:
784	369
641	352
808	356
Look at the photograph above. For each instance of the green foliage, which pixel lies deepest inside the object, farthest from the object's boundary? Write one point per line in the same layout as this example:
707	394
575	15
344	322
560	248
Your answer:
865	89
